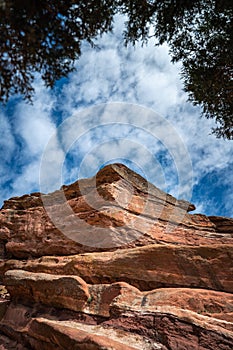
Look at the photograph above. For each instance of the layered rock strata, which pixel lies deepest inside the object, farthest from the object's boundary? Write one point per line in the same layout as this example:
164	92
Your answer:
112	262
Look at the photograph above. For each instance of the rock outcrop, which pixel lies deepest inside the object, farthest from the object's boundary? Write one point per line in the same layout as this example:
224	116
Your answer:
112	262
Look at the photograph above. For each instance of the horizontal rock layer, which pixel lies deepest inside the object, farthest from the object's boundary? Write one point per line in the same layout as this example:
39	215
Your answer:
71	292
146	268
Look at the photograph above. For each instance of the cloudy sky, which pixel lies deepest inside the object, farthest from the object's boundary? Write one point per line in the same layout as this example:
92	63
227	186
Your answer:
125	105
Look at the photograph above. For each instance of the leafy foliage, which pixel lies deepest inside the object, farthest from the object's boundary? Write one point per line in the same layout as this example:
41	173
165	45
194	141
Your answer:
46	36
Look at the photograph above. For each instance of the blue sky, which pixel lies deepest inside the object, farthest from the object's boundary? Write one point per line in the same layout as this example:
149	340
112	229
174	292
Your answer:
178	154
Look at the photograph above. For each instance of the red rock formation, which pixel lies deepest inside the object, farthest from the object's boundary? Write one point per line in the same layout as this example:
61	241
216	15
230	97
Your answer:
130	211
122	266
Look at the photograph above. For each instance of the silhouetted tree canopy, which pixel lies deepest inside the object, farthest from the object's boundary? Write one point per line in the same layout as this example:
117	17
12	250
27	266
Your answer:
200	34
46	37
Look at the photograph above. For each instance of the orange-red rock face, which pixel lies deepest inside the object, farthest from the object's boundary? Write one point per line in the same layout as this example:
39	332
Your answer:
119	265
129	211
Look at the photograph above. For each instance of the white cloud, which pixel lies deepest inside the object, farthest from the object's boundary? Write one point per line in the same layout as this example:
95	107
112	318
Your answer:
27	180
24	137
7	148
7	141
33	122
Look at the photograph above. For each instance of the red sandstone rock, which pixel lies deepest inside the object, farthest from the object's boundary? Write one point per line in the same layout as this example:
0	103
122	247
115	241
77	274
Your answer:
73	335
144	274
58	291
223	225
71	292
163	327
211	304
149	267
130	211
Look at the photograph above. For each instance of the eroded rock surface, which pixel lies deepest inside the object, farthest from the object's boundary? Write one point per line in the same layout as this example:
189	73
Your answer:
112	262
132	212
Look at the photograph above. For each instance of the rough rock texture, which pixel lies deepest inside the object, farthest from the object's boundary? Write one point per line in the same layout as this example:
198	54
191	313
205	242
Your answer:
123	265
146	268
132	211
